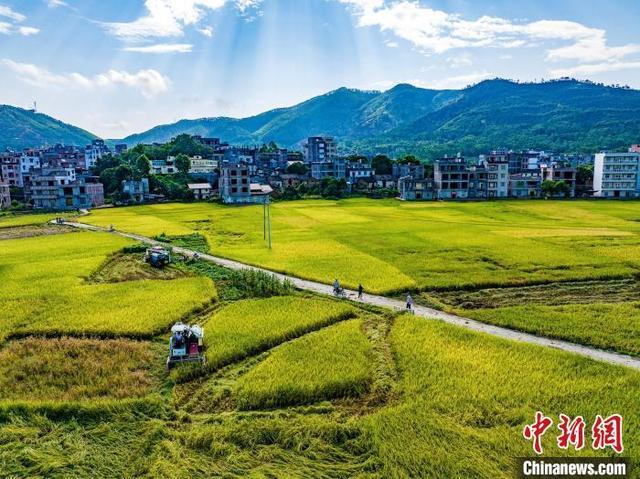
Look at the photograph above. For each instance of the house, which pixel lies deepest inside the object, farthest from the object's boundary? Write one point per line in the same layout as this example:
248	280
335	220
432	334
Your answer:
55	189
138	190
164	167
5	195
616	175
95	151
201	191
10	170
489	178
558	172
234	183
319	149
451	178
385	182
358	170
525	185
416	170
410	189
336	168
202	166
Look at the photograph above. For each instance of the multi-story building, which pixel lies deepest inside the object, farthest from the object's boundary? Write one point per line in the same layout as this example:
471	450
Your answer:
525	185
120	148
95	151
558	172
451	178
616	175
52	189
320	149
5	194
138	190
202	166
10	170
235	183
410	188
497	178
201	191
415	170
164	167
337	168
359	170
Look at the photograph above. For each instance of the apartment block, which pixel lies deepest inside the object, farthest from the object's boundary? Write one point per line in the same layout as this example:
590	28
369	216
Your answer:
616	175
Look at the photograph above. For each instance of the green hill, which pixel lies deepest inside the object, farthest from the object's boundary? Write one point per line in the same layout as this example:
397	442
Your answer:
21	128
561	116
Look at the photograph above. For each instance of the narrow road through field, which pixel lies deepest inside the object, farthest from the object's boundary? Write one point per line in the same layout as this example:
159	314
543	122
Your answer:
390	303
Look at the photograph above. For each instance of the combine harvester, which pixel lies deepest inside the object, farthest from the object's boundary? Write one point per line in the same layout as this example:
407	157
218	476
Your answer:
157	256
186	345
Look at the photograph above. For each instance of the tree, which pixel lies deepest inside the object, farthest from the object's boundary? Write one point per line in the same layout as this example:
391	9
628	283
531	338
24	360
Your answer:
297	169
143	165
548	187
382	165
183	163
409	159
584	174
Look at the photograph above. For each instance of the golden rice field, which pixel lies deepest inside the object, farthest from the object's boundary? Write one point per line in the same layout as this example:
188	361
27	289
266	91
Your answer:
248	327
71	369
48	292
326	364
10	220
389	245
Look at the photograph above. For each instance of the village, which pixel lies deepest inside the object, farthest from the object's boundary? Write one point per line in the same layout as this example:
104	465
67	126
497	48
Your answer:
63	177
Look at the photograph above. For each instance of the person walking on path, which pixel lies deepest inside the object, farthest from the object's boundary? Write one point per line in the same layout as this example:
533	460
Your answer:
409	303
360	291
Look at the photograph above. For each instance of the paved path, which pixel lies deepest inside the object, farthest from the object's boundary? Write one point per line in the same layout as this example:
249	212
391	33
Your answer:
422	311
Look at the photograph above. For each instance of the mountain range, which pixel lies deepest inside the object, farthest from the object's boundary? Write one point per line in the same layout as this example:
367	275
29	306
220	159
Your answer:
21	128
561	116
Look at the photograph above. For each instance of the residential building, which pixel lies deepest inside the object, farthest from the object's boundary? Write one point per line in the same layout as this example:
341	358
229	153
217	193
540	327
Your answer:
319	149
5	194
336	168
201	191
451	178
496	178
358	170
416	170
558	172
10	170
93	152
235	183
410	188
120	148
525	185
138	190
202	166
52	189
616	175
387	182
164	167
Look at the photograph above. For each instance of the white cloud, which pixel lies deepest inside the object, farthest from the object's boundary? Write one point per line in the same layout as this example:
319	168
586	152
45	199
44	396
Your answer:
244	5
460	61
164	18
10	27
436	31
592	69
206	31
392	44
7	12
26	31
56	3
149	82
162	48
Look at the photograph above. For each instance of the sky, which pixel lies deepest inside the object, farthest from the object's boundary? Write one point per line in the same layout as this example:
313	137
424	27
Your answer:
116	67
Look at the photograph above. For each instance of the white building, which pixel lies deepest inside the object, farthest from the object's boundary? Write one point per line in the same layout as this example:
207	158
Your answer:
616	175
201	165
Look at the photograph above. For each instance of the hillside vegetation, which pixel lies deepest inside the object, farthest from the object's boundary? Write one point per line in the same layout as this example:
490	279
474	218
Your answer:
561	116
21	128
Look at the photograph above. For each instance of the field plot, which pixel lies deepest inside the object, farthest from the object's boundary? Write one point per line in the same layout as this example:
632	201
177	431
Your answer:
49	292
465	397
327	364
69	369
9	220
388	245
249	327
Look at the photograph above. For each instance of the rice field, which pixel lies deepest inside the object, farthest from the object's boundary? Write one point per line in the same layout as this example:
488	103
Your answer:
49	292
327	364
9	220
248	327
389	245
70	369
465	398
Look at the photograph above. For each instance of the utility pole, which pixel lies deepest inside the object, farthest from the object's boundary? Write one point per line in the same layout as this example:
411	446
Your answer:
266	220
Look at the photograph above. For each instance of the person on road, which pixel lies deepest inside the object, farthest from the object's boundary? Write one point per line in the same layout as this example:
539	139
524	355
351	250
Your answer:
409	303
360	291
336	287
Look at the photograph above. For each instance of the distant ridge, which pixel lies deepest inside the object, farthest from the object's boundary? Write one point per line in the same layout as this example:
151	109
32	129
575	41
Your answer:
20	128
563	115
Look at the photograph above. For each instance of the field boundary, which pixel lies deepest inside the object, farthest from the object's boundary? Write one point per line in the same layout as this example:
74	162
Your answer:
397	305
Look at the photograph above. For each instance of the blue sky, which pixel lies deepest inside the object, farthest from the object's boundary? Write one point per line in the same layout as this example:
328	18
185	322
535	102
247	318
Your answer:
117	67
